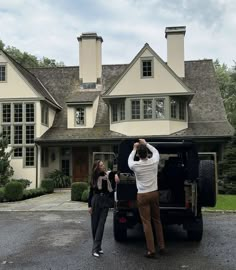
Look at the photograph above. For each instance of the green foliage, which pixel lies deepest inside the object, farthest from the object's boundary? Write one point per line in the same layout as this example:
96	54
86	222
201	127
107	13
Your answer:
227	169
35	192
77	190
59	179
28	60
2	194
13	191
25	182
226	79
6	171
48	185
85	195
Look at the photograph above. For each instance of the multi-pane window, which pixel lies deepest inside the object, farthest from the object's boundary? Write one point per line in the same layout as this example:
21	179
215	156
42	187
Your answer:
29	156
29	134
173	108
44	157
80	116
65	166
147	109
122	111
18	152
29	112
181	110
114	112
160	108
135	109
18	134
6	132
6	113
18	113
44	114
147	68
2	73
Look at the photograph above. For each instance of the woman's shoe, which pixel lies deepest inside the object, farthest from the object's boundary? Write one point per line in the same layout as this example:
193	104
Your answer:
150	255
100	251
96	254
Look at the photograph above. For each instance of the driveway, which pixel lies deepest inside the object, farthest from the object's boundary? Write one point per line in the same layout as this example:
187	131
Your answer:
60	200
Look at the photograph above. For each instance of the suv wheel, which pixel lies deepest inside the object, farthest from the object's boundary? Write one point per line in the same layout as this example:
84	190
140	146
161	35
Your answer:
119	229
207	184
195	231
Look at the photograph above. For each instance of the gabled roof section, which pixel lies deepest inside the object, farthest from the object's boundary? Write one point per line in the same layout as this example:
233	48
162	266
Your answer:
82	97
34	82
146	46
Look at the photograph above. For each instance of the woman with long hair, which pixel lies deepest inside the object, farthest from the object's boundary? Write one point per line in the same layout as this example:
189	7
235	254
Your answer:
101	189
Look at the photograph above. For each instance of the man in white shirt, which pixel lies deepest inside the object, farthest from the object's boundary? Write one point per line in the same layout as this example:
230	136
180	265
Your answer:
146	170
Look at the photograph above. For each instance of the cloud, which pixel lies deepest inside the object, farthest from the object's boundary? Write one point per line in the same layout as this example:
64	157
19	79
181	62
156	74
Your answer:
50	28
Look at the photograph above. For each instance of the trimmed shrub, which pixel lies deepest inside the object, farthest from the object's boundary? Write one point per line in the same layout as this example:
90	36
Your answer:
84	197
48	185
59	179
13	191
77	190
25	182
31	193
2	194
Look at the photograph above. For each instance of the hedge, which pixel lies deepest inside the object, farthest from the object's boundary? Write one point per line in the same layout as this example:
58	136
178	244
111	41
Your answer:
2	194
85	195
48	185
14	191
77	190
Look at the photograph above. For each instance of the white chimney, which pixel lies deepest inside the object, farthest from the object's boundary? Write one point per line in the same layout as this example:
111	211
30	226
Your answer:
175	48
90	58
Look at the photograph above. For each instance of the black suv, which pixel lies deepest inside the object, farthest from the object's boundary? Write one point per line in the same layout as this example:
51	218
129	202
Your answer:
185	183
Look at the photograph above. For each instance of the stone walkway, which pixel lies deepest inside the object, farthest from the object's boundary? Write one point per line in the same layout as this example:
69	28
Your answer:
60	200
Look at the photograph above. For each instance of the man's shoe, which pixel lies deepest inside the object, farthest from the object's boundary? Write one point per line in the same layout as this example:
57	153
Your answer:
163	252
150	255
96	254
100	251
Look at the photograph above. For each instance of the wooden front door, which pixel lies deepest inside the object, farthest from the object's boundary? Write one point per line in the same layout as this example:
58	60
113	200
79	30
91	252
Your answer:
80	164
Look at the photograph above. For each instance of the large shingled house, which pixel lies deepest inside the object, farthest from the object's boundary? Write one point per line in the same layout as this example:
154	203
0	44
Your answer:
56	118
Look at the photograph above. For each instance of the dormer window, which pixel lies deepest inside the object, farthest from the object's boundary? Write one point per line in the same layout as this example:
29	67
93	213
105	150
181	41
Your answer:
2	73
80	116
147	68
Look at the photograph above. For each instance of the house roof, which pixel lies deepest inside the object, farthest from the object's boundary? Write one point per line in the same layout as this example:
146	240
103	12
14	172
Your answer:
34	82
207	117
83	97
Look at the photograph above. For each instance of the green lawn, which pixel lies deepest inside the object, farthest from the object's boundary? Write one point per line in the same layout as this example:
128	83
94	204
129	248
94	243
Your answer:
225	202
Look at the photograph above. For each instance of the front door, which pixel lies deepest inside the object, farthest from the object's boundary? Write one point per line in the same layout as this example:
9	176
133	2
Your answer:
80	164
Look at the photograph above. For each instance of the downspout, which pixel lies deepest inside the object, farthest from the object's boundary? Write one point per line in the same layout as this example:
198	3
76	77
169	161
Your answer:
36	165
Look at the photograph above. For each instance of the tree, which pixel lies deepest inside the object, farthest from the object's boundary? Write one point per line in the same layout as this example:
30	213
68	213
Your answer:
227	83
6	171
28	60
227	167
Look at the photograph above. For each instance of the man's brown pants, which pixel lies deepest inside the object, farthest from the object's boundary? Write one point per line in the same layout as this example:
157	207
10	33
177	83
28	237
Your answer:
148	205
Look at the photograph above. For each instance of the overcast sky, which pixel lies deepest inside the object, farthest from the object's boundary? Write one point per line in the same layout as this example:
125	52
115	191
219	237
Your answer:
50	27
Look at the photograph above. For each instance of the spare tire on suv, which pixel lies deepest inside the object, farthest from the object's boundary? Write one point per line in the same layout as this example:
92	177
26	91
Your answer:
207	183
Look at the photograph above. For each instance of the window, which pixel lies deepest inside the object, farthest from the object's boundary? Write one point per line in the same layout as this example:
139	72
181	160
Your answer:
181	110
6	132
79	116
147	68
6	113
18	115
114	112
122	111
160	108
173	108
147	109
44	114
29	156
44	157
18	134
65	167
2	73
29	134
135	109
29	112
18	152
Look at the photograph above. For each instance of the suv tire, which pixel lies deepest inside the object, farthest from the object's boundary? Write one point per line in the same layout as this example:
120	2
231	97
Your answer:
119	229
207	184
195	231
